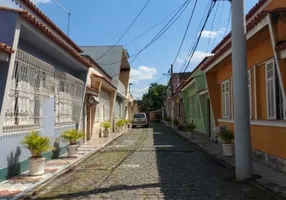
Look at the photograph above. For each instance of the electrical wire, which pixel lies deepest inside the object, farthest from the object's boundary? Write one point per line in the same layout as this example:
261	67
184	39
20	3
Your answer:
165	28
129	27
228	22
199	37
161	32
211	30
186	31
218	23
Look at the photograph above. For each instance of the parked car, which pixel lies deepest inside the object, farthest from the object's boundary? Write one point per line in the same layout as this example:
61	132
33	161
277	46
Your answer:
140	119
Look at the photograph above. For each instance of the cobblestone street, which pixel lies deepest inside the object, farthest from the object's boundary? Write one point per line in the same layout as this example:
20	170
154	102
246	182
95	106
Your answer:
151	163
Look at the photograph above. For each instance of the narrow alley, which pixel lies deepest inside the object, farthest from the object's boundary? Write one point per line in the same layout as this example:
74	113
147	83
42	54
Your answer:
151	163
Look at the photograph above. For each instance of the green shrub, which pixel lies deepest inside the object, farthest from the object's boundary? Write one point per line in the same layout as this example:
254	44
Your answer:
72	136
190	127
176	122
37	144
167	119
106	125
226	136
120	122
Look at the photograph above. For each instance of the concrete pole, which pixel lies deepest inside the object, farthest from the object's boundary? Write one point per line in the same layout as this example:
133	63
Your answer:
243	152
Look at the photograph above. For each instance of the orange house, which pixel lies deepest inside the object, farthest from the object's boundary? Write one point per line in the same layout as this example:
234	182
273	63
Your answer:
266	67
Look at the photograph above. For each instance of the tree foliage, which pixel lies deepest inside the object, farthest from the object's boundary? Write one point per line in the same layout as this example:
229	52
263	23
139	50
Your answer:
154	98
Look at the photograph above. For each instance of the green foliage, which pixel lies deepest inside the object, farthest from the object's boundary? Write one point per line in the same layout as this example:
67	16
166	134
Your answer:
176	122
37	144
154	98
72	136
120	123
226	136
167	119
106	125
190	127
127	121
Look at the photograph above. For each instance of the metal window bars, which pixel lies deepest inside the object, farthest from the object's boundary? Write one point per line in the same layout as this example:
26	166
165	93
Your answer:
32	79
68	98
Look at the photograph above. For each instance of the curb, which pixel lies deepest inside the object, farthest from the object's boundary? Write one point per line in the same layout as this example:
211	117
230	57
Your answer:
26	194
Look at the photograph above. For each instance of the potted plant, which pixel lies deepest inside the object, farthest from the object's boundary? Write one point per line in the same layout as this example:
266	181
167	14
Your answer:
128	123
189	129
106	125
176	124
227	142
37	145
72	136
120	124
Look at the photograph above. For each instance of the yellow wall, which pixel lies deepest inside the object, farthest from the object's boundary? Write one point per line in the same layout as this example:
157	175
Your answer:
268	139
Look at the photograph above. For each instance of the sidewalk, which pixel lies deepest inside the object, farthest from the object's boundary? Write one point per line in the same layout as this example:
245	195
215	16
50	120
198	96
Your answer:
270	179
18	186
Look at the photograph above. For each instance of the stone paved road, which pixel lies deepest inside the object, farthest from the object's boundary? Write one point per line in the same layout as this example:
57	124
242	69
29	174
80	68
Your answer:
163	167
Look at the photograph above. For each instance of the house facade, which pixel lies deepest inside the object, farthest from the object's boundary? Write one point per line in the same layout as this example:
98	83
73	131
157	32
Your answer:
114	60
42	84
174	105
196	102
266	82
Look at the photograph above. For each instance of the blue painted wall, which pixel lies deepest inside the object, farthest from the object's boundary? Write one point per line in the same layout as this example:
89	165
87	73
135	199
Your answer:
13	159
8	21
4	66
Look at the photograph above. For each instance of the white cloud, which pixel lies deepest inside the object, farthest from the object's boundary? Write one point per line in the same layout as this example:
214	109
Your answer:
198	56
142	73
212	34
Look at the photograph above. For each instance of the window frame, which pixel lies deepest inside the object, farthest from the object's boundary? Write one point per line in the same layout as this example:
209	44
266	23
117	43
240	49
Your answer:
225	115
249	85
273	88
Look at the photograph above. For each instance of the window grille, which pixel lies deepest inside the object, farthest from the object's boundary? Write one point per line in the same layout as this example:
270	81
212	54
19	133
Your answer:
32	79
68	98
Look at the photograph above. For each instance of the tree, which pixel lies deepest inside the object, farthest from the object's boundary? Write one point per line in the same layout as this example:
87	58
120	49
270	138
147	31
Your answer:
154	98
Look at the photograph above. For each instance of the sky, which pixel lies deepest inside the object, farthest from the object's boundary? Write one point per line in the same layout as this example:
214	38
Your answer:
102	22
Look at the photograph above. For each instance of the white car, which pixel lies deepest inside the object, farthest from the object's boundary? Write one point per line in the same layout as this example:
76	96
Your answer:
140	119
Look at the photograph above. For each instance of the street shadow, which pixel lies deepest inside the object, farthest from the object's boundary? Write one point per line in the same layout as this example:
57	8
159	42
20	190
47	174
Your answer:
56	149
99	191
14	167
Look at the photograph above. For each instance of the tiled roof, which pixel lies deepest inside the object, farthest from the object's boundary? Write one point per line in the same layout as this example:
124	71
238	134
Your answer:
6	48
37	24
41	15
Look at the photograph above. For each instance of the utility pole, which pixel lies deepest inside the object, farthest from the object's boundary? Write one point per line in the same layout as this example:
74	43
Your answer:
243	152
172	88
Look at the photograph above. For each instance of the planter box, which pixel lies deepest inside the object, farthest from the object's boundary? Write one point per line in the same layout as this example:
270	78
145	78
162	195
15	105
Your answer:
36	166
228	149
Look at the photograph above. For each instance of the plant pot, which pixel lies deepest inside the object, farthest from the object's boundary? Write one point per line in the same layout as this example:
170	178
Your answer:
228	149
105	133
189	135
36	166
72	150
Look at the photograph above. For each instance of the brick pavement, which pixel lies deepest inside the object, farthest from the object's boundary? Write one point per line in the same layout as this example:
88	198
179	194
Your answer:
163	167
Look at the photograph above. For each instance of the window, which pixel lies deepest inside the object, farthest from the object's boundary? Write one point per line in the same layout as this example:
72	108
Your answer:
249	92
274	94
68	98
32	80
194	107
225	99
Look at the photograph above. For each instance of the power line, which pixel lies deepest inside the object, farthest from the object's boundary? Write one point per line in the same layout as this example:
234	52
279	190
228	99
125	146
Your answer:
199	37
161	32
215	13
218	23
165	28
228	22
198	31
186	31
147	2
145	32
